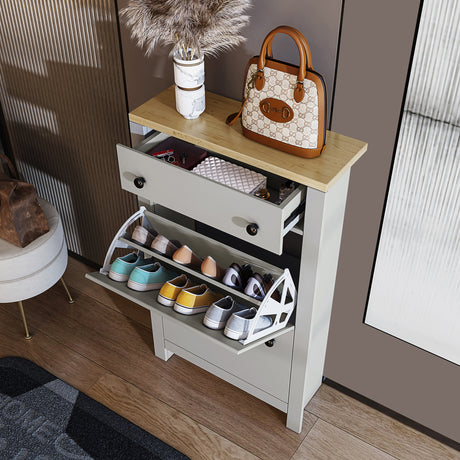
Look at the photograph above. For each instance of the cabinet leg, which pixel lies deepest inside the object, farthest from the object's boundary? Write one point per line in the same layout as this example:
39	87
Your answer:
158	337
167	354
294	419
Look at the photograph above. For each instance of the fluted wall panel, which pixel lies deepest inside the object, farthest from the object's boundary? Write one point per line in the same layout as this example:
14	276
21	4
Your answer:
63	98
415	292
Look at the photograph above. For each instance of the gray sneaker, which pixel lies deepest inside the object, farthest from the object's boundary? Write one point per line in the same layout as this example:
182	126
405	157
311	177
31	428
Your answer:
218	313
237	326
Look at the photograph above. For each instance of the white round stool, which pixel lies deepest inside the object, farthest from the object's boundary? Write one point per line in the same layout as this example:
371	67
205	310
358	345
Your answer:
27	272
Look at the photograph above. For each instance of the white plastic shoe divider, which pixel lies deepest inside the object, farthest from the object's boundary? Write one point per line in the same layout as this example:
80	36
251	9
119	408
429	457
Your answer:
116	243
280	311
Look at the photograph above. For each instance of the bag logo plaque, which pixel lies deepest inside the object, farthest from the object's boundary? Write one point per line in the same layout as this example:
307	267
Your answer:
276	110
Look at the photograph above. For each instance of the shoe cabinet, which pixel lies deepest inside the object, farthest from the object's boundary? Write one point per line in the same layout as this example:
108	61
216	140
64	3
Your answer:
283	365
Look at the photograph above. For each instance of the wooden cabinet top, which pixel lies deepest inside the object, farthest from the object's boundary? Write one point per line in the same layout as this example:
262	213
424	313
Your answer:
210	132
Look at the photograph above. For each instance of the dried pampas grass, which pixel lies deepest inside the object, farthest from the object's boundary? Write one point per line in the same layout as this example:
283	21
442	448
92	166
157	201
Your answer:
193	27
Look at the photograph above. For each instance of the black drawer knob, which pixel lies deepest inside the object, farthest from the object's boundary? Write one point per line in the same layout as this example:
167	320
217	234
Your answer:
139	182
252	229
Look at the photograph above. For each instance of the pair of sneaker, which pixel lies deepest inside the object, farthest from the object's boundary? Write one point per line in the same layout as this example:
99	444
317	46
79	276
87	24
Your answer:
237	276
185	297
252	284
234	318
141	274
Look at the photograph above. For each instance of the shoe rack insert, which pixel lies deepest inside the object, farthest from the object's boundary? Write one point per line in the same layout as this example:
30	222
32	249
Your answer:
248	366
288	373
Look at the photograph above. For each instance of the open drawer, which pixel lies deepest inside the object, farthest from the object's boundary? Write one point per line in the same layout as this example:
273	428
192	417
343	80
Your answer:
245	216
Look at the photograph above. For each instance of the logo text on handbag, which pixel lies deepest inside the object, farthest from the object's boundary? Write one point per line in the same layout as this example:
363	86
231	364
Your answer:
276	110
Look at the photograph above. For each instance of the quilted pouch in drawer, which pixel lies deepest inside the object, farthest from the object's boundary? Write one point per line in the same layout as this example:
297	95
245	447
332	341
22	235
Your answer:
230	174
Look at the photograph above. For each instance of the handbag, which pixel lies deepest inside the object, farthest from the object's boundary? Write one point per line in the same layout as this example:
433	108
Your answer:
284	105
22	219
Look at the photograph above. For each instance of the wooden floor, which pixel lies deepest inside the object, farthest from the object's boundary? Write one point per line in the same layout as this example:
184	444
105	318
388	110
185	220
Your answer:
102	345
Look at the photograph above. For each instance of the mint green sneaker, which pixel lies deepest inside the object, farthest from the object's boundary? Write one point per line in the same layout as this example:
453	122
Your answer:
122	267
148	277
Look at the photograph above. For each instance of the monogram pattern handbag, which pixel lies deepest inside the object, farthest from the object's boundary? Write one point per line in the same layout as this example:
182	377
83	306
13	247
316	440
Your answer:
284	105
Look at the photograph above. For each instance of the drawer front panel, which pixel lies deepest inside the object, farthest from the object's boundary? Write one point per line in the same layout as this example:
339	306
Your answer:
267	368
222	207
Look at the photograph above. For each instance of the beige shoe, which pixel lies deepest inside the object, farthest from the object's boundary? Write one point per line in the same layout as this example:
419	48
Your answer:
163	246
210	268
185	256
142	236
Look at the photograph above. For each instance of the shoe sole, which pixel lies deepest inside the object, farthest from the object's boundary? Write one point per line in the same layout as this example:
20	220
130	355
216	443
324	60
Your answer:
217	278
117	276
165	301
196	267
233	286
156	251
144	245
189	310
135	286
213	324
235	335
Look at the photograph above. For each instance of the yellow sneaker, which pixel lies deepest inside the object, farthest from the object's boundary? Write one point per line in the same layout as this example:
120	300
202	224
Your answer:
196	299
171	289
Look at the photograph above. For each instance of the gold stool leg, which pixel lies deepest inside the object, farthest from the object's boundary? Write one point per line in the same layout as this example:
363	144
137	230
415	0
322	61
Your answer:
67	291
21	308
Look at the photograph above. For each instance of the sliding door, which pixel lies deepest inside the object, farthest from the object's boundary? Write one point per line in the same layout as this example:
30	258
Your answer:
394	330
415	290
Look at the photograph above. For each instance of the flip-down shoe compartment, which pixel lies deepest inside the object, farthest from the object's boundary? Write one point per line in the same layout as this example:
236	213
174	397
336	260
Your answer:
246	216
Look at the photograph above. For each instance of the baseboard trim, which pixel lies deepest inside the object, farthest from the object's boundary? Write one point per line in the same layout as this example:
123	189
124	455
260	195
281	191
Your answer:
391	413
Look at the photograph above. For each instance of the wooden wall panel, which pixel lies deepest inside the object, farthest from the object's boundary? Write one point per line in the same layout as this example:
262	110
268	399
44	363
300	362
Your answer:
63	99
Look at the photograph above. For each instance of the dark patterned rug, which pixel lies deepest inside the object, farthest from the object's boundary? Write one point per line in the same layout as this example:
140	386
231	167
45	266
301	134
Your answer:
43	418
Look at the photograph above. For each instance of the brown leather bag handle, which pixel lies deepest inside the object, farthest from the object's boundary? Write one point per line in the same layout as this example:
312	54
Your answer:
309	62
10	166
299	91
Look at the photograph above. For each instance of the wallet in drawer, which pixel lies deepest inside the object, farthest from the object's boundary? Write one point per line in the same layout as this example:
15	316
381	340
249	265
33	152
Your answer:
230	174
182	153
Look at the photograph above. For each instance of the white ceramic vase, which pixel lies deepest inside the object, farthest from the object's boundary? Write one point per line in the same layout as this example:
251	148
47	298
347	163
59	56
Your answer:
189	81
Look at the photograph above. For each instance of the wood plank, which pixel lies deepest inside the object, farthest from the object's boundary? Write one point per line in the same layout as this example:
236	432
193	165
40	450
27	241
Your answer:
60	360
327	442
75	278
210	132
163	421
86	324
376	428
125	349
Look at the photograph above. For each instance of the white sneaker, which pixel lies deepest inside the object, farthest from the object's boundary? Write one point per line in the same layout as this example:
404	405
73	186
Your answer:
218	313
237	326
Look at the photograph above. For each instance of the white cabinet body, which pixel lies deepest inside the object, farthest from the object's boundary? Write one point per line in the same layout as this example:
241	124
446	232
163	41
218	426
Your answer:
285	367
